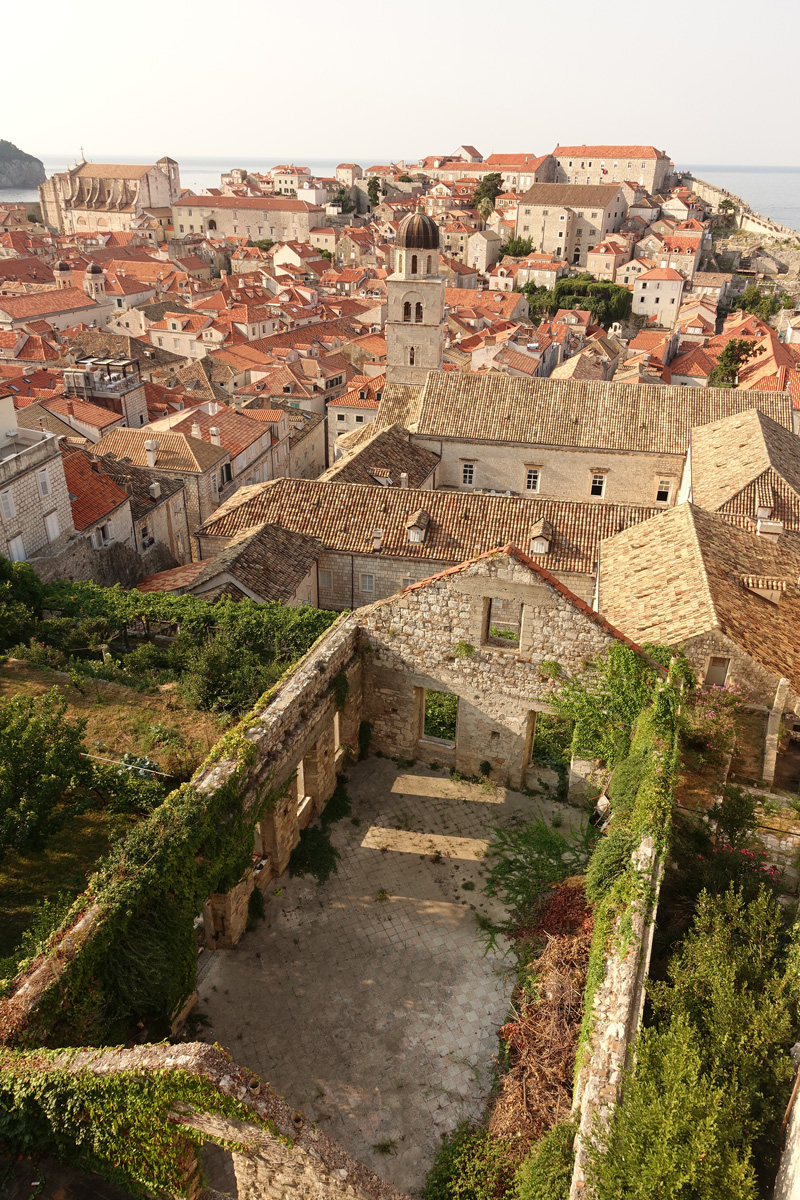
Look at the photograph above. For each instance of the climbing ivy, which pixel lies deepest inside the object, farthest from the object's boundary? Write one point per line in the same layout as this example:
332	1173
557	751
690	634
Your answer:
117	1124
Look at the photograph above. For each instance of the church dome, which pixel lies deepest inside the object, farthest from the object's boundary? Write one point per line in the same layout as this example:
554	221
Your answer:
94	269
417	232
62	266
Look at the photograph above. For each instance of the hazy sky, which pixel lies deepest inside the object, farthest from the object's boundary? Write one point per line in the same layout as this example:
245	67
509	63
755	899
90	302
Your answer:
316	80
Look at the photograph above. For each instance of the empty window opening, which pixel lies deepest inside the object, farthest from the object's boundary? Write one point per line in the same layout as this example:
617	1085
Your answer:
502	623
418	313
413	264
407	310
303	798
662	492
440	716
598	484
717	672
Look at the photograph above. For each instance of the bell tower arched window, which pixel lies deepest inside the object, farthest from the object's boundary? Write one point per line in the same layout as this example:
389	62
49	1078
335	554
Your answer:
411	356
418	313
413	264
407	311
428	266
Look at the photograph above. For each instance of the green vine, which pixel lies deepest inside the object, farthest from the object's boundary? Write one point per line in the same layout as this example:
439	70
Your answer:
118	1123
340	690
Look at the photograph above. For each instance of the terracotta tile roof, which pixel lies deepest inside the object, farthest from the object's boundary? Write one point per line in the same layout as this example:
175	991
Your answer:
666	273
555	412
617	152
83	411
237	430
389	453
268	563
136	483
344	515
745	461
697	363
682	574
571	195
262	203
37	304
176	451
93	495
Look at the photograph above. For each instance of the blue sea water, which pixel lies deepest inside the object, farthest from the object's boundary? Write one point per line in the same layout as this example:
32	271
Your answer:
772	191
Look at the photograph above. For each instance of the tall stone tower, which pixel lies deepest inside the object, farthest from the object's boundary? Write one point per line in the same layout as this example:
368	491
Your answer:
94	281
415	303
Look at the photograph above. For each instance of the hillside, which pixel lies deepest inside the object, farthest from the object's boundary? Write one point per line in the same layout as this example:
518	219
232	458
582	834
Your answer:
18	169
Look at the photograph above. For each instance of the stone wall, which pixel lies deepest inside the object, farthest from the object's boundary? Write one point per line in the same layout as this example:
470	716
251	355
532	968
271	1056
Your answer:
435	636
291	1157
112	564
616	1014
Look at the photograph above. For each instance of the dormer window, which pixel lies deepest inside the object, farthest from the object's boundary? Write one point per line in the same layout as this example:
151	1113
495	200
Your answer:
541	537
417	526
763	513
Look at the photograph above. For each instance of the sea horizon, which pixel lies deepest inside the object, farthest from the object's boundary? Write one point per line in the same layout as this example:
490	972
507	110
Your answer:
769	190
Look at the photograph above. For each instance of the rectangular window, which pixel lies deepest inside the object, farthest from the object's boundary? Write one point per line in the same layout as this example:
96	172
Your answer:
43	480
662	493
359	420
532	479
502	621
407	581
368	583
16	549
467	474
598	484
325	579
440	716
7	504
51	526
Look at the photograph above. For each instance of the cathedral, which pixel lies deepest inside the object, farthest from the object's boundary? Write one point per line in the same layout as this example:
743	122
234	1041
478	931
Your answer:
415	299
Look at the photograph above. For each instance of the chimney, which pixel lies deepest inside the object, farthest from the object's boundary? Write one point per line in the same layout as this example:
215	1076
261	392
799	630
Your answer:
70	408
404	479
196	430
151	450
215	437
155	490
237	403
377	536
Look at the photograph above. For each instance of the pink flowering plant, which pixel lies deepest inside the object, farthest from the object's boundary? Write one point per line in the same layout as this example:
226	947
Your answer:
713	716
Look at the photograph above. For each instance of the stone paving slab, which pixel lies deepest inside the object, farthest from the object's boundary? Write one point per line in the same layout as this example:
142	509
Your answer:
369	1002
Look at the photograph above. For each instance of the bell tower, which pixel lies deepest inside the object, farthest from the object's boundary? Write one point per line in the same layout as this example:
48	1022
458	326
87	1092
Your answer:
415	303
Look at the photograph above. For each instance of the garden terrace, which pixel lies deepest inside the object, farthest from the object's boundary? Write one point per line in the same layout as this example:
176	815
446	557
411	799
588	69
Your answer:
126	952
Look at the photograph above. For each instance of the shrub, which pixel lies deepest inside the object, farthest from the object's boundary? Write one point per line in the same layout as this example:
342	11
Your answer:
611	857
470	1165
441	712
547	1173
314	855
256	908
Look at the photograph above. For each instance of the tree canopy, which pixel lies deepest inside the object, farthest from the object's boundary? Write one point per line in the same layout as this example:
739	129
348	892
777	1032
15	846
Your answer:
486	193
736	353
517	247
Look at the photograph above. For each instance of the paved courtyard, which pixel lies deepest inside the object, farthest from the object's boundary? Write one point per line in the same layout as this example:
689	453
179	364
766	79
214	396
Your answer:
368	1002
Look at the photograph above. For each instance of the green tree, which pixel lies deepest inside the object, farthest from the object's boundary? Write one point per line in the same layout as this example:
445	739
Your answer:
264	243
670	1135
42	772
726	206
486	193
405	179
374	192
517	247
735	354
343	201
326	254
21	598
762	304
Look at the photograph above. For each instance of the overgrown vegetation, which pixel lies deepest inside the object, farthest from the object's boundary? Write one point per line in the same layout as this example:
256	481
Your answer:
607	302
702	1108
471	1165
117	1124
222	656
441	715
